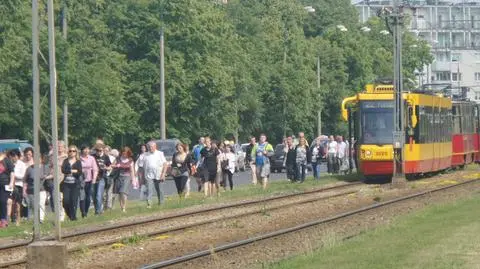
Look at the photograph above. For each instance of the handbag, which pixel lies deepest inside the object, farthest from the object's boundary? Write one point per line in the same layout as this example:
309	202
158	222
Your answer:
48	185
175	172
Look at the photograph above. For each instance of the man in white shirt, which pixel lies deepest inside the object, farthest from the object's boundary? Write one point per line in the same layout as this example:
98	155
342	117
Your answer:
332	150
155	166
342	154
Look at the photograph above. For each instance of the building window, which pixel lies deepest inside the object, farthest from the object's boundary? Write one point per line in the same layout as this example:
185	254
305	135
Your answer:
444	75
457	76
456	57
477	76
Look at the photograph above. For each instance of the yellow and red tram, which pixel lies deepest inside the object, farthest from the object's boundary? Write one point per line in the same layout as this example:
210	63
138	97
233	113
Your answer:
439	133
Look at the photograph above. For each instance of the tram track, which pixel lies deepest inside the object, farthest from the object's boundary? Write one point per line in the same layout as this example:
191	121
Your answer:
75	240
193	256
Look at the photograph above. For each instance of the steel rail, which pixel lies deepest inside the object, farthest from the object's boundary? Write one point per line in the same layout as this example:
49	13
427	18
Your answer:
178	215
186	214
184	227
207	252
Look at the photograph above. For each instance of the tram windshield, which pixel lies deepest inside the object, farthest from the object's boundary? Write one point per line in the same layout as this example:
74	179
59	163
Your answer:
377	122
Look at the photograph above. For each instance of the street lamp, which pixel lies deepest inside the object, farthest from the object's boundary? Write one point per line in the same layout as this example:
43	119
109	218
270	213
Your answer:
365	29
384	32
342	28
309	9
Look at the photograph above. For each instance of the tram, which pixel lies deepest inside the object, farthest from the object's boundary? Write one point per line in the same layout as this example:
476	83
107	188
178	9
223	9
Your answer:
440	133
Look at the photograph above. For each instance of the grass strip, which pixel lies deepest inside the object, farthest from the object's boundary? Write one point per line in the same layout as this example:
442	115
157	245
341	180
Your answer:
440	236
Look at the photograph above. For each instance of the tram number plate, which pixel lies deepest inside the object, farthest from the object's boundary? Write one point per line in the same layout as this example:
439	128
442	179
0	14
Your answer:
398	139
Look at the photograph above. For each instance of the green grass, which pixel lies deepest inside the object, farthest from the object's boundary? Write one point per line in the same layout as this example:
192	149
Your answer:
442	236
138	208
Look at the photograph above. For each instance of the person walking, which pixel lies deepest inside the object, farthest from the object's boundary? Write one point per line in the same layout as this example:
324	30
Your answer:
70	186
228	167
140	173
90	174
342	155
250	160
15	199
28	189
262	153
301	159
155	166
181	168
126	177
7	181
104	165
332	150
318	153
290	159
209	166
111	177
197	162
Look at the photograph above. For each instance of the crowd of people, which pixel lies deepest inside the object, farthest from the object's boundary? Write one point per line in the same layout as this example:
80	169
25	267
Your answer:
101	174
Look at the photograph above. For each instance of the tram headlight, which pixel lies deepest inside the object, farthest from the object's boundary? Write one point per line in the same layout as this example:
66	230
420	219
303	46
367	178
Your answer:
368	153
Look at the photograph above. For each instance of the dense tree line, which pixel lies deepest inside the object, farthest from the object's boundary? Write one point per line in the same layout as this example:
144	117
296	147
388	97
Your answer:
240	68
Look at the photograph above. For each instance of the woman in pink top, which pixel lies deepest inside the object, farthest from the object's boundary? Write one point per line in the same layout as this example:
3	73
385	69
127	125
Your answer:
90	172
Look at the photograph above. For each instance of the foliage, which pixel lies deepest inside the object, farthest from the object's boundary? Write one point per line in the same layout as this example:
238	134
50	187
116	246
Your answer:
232	70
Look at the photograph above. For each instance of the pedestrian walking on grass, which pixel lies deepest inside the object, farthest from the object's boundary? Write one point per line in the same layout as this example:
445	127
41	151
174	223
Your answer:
262	153
181	168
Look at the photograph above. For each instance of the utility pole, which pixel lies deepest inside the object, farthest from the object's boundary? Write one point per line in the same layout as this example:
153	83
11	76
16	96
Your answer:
53	105
319	115
163	129
65	123
36	121
64	19
65	105
398	115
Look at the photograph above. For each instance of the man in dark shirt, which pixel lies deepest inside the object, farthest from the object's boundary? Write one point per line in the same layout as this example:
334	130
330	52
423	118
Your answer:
210	165
290	158
7	180
103	162
250	160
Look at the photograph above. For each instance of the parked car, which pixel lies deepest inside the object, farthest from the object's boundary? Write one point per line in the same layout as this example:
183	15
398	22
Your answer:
276	161
9	144
167	146
244	149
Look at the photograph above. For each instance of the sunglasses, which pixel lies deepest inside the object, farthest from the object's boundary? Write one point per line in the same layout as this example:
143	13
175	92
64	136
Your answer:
72	150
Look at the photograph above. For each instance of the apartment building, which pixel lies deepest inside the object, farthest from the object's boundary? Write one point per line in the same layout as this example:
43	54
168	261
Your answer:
452	28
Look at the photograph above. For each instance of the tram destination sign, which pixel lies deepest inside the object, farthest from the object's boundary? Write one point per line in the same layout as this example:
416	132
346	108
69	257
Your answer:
377	104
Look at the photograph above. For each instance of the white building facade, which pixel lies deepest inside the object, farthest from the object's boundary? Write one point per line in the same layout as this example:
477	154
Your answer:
452	28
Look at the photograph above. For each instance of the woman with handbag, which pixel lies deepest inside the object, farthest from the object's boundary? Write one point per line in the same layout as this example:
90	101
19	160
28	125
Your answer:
228	167
71	184
181	168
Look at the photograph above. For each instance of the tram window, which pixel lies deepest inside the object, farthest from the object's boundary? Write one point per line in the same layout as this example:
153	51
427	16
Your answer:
377	123
456	118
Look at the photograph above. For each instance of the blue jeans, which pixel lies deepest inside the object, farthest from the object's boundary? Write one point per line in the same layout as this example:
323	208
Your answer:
85	205
316	170
98	190
300	172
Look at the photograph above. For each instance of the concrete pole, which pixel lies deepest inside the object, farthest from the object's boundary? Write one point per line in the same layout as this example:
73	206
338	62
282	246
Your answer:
65	123
36	120
64	19
319	113
65	104
163	129
53	105
398	119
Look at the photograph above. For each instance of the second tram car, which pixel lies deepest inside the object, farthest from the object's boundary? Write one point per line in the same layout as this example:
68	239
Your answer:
439	133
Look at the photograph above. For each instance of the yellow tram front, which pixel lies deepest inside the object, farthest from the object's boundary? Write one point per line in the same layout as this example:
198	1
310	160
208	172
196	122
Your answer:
427	134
